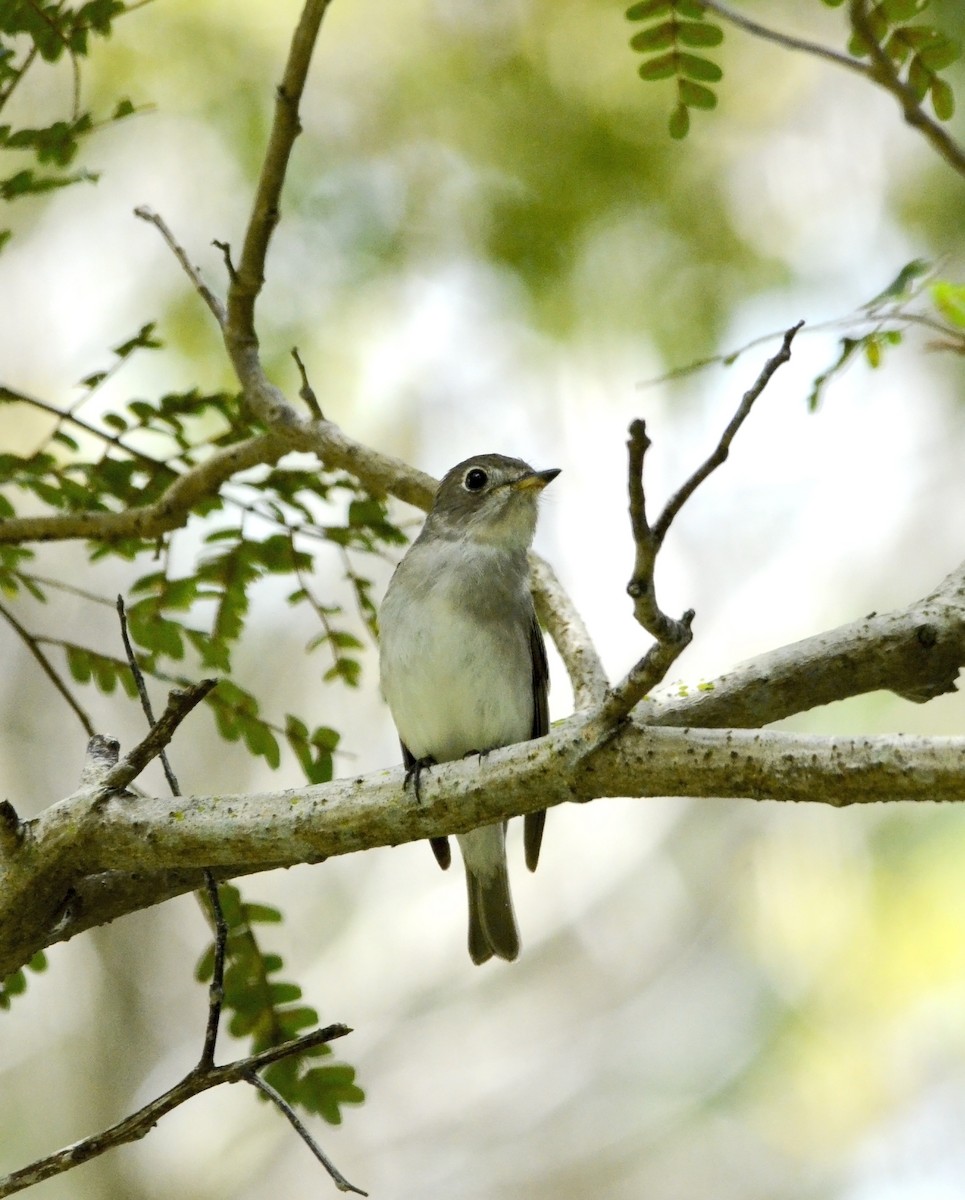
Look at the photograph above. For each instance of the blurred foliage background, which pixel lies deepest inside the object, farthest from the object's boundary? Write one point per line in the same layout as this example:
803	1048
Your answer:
489	242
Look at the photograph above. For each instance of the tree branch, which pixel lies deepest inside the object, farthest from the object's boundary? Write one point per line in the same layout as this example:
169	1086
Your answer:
570	635
241	340
87	835
170	511
249	275
914	652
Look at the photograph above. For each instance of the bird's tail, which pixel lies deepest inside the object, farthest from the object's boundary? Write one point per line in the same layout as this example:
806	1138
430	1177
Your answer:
492	922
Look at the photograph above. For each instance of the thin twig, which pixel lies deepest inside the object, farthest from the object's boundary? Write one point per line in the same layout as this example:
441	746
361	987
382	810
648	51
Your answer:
566	627
180	703
32	645
672	636
881	71
787	40
250	275
143	693
216	987
719	456
170	510
138	1124
207	295
229	266
18	74
13	394
284	1107
307	392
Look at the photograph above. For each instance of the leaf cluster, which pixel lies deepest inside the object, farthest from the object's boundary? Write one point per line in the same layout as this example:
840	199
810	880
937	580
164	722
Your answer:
276	525
674	31
16	984
918	51
269	1011
38	32
890	314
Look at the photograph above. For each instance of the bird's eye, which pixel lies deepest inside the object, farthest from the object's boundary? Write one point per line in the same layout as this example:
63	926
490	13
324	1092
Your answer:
475	480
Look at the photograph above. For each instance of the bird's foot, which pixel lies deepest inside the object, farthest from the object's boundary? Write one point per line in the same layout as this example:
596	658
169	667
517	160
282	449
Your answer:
413	774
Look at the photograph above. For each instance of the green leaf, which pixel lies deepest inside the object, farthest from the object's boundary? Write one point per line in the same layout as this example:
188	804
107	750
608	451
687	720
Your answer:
658	37
949	299
679	122
647	9
942	99
695	95
699	33
919	78
264	913
902	287
699	68
79	664
284	993
901	10
323	1090
939	53
658	68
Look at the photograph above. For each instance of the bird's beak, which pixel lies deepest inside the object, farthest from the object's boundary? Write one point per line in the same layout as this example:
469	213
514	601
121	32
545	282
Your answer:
535	481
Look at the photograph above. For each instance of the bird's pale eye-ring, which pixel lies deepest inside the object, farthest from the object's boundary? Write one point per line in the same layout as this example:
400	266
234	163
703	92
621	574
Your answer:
475	480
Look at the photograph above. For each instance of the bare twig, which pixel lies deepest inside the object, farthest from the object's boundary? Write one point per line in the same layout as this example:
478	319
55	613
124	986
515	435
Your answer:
61	415
787	40
719	456
884	72
140	1123
216	986
286	1109
180	703
143	693
307	392
572	639
250	275
45	665
192	272
672	636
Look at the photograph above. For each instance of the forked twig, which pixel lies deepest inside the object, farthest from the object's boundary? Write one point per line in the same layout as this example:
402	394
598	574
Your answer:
138	1124
672	636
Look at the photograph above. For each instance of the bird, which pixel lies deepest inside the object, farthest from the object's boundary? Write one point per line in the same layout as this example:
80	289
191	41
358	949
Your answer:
463	663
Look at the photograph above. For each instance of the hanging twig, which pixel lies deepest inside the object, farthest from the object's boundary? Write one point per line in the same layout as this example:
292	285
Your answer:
284	1107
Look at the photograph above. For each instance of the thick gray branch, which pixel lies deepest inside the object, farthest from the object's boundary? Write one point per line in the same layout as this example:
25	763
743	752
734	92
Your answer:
916	652
88	834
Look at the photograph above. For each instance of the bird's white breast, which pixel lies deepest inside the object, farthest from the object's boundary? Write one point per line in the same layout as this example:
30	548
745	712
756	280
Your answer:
456	659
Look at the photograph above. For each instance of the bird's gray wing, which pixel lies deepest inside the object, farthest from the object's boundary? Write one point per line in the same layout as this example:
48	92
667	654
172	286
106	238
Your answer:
533	822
